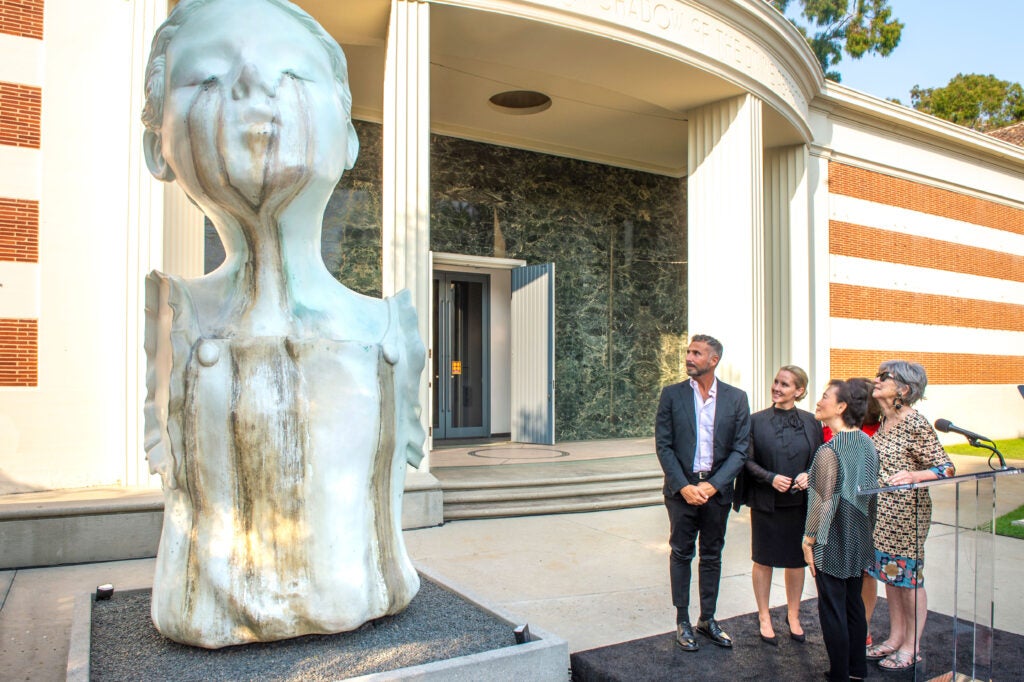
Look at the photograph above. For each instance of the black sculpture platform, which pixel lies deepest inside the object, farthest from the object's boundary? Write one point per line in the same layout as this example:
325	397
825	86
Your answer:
438	625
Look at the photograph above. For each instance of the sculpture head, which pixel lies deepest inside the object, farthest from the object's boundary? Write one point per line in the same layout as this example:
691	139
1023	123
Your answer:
247	105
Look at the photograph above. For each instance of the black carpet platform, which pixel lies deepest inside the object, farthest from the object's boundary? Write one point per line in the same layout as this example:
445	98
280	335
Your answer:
659	658
437	625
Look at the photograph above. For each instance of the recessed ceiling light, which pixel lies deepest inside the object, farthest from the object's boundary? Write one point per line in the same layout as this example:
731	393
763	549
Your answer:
520	102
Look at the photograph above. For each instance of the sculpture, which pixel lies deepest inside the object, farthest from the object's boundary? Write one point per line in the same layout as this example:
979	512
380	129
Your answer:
281	406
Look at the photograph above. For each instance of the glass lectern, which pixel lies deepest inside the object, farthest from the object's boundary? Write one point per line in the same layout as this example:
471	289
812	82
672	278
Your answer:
972	572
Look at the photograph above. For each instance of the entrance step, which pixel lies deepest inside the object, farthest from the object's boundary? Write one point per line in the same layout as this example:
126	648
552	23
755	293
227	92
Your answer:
550	488
86	525
79	526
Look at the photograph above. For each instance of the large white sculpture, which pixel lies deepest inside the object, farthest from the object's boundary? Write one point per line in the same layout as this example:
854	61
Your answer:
282	407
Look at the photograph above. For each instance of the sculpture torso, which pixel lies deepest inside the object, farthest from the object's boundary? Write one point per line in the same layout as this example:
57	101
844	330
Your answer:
284	517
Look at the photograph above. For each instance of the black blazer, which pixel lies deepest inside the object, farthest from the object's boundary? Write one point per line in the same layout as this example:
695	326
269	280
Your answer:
754	485
675	435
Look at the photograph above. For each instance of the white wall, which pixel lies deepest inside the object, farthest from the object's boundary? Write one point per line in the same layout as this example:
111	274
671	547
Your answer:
71	429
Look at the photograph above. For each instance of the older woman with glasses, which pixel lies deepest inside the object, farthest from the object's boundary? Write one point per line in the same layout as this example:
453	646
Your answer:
908	452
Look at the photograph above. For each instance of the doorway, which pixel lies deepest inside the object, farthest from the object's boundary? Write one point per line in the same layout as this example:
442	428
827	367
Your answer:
461	359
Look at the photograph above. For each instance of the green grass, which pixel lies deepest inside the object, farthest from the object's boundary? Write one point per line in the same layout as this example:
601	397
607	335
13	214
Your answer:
1004	524
1011	449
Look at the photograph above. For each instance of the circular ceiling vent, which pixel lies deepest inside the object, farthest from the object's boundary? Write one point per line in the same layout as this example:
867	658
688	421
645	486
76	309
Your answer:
520	102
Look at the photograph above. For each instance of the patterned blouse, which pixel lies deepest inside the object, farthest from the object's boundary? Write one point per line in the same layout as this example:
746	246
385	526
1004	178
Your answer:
904	516
838	518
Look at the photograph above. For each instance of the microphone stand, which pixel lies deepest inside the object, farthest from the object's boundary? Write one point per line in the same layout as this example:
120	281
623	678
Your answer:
991	447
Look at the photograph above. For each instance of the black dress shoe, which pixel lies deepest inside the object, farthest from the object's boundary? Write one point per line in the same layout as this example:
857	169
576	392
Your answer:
713	631
773	640
685	638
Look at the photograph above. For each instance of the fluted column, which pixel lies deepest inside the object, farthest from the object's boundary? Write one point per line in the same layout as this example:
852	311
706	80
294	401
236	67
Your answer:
787	262
406	222
144	238
184	240
725	246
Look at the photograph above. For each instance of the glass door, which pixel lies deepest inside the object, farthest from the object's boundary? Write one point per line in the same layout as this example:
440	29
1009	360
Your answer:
461	362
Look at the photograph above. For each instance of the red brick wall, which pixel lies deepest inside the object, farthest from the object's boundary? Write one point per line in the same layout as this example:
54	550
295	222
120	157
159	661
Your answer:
892	191
21	109
942	368
888	305
846	239
19	352
22	18
19	230
848	301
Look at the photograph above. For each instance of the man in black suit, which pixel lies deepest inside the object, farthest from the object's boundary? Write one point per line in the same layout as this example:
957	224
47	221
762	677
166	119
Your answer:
702	432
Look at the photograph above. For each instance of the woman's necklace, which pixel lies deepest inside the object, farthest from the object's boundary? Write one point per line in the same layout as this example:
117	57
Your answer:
889	423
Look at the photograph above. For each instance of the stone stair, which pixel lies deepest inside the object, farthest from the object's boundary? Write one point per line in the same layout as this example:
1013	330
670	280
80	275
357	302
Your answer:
86	525
83	525
550	488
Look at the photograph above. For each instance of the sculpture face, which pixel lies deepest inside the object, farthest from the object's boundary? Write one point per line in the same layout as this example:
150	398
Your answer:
251	116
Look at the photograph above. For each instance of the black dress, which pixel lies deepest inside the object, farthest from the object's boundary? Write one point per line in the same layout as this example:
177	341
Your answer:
781	442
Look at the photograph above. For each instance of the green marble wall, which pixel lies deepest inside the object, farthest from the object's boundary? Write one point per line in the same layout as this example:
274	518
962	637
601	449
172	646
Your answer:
618	241
617	237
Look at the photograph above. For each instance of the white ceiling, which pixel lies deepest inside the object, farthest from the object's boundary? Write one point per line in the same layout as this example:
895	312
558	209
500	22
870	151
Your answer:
611	102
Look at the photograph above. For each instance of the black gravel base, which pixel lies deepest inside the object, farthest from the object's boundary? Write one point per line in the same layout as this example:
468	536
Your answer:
438	625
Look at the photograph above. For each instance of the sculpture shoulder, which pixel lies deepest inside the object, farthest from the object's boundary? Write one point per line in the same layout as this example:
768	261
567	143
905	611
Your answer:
403	330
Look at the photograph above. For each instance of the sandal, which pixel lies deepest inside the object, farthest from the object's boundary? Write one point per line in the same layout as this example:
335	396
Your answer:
899	661
877	652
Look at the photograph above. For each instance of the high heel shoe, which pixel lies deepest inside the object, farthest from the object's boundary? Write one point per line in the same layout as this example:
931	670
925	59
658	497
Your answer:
802	637
772	641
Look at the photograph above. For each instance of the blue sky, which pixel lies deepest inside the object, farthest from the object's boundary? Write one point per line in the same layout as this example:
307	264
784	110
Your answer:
940	39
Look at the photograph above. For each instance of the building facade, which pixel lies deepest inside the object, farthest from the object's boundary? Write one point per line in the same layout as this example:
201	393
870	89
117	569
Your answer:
689	172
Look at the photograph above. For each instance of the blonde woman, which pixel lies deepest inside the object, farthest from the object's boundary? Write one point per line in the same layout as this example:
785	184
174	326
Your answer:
783	440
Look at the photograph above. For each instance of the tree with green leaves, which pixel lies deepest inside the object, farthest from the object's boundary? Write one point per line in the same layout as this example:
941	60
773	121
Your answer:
852	27
973	100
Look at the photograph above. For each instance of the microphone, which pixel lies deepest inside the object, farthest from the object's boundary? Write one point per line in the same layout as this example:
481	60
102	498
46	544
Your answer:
946	426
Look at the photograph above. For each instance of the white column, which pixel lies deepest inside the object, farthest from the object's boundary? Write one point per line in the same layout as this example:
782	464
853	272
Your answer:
184	237
405	249
144	238
406	220
787	283
818	203
725	262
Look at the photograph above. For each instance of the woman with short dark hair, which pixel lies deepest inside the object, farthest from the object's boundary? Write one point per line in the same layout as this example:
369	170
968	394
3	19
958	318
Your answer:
837	536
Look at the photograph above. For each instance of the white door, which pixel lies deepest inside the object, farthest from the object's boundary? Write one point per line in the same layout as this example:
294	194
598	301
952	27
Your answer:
533	354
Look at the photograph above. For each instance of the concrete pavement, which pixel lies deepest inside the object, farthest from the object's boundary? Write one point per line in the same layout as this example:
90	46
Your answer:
593	578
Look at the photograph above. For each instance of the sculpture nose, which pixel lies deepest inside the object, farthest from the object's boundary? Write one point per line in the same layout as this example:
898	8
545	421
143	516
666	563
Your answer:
250	82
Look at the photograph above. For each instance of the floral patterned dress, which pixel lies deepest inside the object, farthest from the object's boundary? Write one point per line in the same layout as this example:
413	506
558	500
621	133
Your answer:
904	516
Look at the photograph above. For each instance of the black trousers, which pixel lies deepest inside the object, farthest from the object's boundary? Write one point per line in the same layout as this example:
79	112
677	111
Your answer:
843	625
690	525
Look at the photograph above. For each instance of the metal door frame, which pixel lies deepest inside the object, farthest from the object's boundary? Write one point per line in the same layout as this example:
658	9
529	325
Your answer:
443	322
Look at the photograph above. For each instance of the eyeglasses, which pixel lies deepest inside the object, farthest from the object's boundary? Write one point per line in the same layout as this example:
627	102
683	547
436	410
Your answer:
885	376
